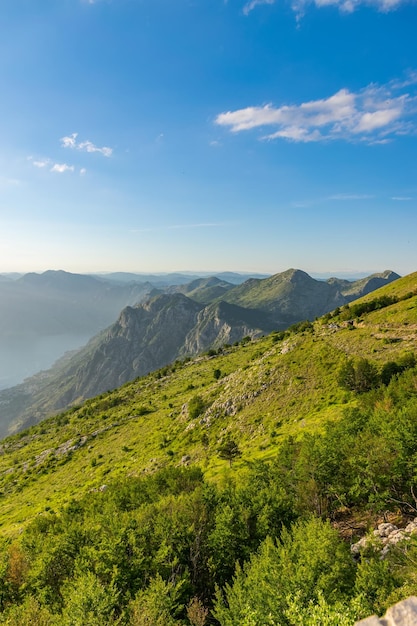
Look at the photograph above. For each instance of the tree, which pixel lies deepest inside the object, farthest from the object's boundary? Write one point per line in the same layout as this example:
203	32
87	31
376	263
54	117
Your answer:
197	612
195	407
359	376
346	375
366	375
30	613
229	451
88	602
217	374
156	605
321	613
309	562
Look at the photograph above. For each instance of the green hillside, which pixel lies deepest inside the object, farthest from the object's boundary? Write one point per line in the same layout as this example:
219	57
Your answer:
133	507
293	295
171	326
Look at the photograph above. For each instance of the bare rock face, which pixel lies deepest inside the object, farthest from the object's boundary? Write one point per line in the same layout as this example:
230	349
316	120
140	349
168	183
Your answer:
384	538
222	323
401	614
143	339
158	332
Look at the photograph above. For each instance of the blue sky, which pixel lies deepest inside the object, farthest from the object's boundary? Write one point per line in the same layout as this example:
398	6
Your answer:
162	135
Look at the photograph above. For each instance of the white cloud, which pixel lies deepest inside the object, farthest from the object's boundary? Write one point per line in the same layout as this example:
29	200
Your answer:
42	163
86	146
90	147
345	6
378	119
401	198
83	171
69	142
348	6
374	115
57	168
60	168
249	6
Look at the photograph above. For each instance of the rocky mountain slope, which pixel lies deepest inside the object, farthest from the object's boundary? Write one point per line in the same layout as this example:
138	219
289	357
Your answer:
267	387
172	326
143	339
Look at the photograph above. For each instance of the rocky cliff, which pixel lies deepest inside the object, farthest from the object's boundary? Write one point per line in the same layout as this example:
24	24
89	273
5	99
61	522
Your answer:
144	338
172	326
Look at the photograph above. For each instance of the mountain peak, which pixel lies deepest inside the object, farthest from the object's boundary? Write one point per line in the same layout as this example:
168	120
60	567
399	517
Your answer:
295	275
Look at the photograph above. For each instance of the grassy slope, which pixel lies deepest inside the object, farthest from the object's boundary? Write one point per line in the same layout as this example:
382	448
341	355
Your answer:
260	293
268	389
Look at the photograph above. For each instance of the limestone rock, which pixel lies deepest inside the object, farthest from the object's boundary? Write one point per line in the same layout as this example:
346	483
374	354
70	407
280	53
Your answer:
386	535
401	614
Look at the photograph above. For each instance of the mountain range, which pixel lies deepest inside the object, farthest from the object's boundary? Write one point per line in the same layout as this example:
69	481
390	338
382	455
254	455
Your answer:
184	321
42	316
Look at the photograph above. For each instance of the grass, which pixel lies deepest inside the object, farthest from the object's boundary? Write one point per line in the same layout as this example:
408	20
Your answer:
268	389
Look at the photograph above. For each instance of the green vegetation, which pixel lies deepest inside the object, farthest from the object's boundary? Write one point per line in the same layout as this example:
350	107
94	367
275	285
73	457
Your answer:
189	498
229	451
362	375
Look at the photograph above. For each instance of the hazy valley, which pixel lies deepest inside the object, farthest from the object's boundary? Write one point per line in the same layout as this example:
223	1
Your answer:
161	324
42	316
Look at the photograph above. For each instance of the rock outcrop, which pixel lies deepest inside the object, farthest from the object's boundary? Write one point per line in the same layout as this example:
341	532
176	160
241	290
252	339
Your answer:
384	538
401	614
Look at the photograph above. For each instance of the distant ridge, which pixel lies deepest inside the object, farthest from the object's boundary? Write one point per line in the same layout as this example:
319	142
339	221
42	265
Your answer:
293	295
166	279
170	326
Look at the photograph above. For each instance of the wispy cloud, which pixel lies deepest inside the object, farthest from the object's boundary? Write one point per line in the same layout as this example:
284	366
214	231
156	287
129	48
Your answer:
60	168
401	198
87	146
300	7
348	6
374	114
41	163
249	6
56	168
